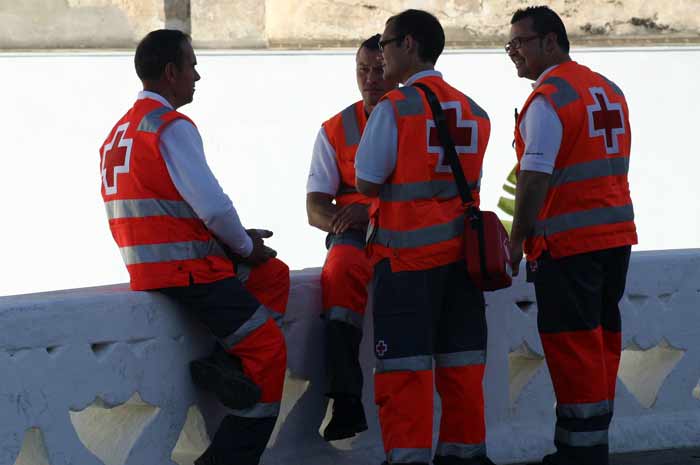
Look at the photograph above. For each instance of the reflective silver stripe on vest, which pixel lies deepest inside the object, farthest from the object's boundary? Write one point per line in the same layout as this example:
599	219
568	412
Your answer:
152	121
406	192
617	166
345	315
460	359
584	410
259	318
170	251
476	109
581	438
243	272
259	410
415	363
140	208
413	103
350	237
344	189
614	86
462	451
420	237
565	93
585	218
408	455
351	127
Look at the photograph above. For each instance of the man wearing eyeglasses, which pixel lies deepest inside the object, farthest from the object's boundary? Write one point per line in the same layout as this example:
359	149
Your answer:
334	205
426	309
574	219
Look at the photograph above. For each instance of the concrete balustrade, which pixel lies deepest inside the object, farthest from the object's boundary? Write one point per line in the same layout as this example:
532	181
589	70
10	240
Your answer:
99	375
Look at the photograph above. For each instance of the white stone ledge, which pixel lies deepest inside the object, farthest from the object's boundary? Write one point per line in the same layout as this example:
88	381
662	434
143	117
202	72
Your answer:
99	376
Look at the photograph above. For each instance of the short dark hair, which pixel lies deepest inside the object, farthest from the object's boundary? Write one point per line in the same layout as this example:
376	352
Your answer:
544	21
156	50
371	44
424	28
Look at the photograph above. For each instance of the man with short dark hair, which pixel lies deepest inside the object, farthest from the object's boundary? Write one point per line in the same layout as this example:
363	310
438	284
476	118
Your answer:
334	205
574	219
425	306
179	234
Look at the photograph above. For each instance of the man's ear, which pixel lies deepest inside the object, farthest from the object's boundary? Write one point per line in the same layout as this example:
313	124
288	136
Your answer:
169	72
550	42
411	45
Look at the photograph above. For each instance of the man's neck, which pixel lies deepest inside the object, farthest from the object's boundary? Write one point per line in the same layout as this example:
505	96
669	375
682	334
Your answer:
417	68
160	90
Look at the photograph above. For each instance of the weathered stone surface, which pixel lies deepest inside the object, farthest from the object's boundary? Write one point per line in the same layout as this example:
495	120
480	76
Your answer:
474	22
228	23
77	23
324	23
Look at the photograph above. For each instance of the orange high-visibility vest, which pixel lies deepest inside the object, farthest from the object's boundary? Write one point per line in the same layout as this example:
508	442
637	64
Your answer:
344	132
161	239
417	221
588	205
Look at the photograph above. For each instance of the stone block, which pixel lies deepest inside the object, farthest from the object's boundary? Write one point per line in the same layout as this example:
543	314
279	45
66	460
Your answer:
228	23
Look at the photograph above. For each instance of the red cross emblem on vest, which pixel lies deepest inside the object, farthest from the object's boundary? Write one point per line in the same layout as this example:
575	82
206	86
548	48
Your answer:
381	348
115	160
463	131
605	119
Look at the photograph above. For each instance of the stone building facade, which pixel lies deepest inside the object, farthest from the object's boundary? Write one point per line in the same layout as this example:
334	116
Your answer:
295	24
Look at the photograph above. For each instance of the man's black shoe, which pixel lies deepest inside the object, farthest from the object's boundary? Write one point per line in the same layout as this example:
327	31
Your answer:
222	375
348	419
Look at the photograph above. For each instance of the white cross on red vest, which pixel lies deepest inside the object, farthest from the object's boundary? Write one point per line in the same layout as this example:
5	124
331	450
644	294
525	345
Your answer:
605	119
463	132
115	160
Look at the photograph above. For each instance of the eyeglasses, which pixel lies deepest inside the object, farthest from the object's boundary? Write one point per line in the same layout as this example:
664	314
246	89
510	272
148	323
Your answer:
518	42
384	43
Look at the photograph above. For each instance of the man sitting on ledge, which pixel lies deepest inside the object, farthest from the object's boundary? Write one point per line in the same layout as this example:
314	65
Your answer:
179	234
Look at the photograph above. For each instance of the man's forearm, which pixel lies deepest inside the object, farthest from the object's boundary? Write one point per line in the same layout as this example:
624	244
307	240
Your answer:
530	192
320	210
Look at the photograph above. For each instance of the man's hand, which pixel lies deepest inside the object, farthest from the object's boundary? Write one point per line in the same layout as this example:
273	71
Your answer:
261	253
516	256
352	216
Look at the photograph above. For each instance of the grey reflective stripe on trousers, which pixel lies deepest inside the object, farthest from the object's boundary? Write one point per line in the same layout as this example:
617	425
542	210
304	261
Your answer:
462	451
259	318
412	104
583	219
259	410
152	121
140	208
407	455
581	438
584	410
170	251
345	315
243	272
565	93
351	127
420	237
443	189
415	363
618	166
460	359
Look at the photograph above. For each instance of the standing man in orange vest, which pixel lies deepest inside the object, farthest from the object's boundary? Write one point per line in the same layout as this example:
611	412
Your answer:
574	220
426	309
172	223
347	269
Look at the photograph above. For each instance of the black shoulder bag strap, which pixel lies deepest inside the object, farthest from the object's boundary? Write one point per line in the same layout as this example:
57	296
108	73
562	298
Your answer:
448	146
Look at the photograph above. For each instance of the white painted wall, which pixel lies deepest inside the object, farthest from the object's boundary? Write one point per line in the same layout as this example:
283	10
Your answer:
99	376
259	114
